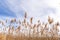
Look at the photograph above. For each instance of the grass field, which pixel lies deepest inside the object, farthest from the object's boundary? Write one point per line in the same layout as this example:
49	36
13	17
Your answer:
11	37
29	31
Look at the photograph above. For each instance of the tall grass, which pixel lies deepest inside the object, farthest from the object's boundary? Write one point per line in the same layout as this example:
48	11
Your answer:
28	31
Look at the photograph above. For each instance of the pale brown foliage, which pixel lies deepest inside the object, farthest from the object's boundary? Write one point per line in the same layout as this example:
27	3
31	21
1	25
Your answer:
50	20
33	29
13	20
25	15
19	27
31	20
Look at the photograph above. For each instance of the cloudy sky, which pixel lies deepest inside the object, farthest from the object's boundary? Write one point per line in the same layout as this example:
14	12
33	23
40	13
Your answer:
39	9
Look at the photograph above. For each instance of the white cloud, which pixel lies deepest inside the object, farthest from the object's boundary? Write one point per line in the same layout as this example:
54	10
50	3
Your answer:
36	8
42	8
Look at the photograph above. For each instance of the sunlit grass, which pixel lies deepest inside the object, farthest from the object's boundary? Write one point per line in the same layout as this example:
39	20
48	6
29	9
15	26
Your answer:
29	31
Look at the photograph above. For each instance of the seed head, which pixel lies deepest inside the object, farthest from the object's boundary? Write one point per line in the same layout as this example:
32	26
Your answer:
57	24
25	15
31	20
13	20
50	20
34	26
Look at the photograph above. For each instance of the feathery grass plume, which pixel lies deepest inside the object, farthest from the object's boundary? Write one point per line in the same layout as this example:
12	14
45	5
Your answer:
31	20
25	16
3	23
13	20
50	20
25	23
46	26
6	20
34	26
57	24
38	21
18	29
38	25
12	28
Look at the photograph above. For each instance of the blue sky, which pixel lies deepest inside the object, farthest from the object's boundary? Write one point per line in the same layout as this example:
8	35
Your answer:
4	10
39	9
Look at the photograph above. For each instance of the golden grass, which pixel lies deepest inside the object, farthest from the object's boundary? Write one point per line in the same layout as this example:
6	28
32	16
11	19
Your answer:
42	34
11	37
